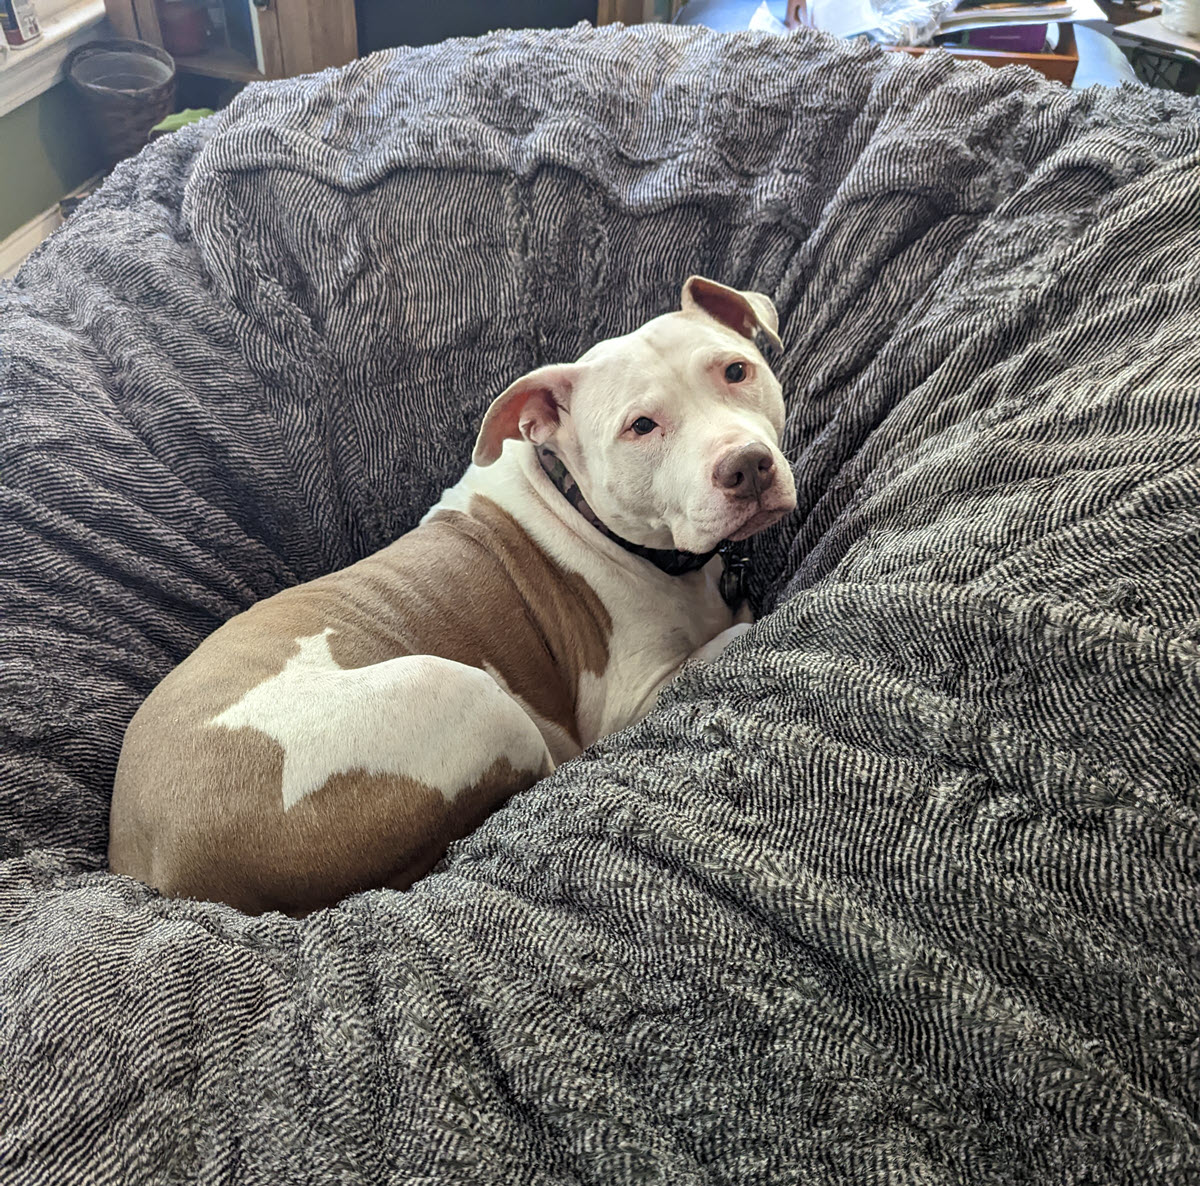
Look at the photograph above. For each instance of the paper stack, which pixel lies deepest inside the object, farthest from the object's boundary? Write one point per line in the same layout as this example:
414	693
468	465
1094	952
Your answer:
913	22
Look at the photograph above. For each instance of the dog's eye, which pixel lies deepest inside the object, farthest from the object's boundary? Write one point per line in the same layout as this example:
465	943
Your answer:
643	425
735	372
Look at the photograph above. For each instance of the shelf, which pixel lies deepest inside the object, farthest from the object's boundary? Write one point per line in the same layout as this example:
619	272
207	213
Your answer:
220	62
31	70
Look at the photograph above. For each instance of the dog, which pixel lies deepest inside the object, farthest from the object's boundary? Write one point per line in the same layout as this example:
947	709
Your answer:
339	735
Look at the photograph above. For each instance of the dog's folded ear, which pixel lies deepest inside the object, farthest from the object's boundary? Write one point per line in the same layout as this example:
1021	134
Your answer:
743	312
530	408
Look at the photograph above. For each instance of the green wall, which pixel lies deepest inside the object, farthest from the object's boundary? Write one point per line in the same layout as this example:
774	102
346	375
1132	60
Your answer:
45	152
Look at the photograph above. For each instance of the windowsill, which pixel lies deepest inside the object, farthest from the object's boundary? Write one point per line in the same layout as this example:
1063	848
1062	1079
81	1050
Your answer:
28	72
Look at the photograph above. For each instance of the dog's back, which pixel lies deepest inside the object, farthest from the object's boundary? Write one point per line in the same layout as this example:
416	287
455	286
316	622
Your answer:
340	734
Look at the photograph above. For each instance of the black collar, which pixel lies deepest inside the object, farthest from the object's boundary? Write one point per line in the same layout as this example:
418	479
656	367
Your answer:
672	561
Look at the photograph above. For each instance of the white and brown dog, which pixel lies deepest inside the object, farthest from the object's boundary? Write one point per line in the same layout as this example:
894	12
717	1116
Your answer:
339	735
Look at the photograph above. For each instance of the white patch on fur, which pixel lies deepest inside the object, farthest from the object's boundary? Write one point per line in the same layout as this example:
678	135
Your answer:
407	716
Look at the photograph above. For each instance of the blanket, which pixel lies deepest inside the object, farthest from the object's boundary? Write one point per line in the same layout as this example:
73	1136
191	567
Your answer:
903	889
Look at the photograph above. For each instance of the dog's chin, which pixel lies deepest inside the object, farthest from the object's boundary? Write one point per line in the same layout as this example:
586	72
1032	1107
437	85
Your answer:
757	522
693	540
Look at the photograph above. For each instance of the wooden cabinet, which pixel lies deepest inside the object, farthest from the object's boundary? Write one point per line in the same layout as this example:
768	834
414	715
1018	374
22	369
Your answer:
634	12
627	11
252	39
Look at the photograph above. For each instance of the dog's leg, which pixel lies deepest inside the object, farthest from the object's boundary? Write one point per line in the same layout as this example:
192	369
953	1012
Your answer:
708	653
345	778
712	649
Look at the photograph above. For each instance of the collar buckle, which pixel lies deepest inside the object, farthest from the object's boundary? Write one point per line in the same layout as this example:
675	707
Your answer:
735	578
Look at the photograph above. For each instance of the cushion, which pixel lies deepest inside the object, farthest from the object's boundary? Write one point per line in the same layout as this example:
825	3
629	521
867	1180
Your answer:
902	889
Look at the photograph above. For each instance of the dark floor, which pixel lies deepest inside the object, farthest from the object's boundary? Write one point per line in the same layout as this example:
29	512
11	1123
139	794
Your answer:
384	23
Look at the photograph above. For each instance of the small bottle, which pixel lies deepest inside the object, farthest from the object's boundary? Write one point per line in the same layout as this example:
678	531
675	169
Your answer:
19	21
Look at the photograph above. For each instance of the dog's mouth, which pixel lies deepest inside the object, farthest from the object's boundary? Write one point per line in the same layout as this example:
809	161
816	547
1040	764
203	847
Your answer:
757	522
699	538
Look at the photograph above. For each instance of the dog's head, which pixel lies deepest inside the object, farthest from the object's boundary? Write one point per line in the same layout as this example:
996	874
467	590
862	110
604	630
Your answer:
672	431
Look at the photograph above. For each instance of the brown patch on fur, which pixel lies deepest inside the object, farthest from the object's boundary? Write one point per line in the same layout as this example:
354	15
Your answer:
198	810
538	625
238	845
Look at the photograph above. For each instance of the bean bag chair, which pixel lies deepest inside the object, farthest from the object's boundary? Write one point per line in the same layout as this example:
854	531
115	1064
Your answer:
902	889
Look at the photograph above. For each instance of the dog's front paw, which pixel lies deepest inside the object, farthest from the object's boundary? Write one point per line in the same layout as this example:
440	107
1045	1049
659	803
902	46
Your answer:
712	649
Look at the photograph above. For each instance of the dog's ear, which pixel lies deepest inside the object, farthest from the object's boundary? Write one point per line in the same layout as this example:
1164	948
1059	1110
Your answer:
741	311
530	408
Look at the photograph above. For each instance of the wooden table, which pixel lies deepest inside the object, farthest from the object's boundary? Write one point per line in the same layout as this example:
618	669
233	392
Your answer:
1059	66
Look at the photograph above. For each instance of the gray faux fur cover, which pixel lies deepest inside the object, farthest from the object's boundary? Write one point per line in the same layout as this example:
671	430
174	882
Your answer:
903	890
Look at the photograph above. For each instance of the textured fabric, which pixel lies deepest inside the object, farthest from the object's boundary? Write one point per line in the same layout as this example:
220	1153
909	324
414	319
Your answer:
903	889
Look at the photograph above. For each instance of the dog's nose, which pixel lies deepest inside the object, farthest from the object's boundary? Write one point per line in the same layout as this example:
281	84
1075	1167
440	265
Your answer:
745	471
